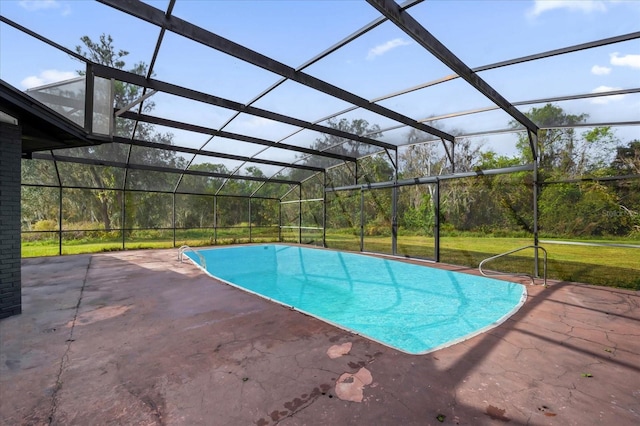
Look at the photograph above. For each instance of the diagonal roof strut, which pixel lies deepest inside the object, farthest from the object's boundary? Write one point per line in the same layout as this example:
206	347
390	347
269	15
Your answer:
424	38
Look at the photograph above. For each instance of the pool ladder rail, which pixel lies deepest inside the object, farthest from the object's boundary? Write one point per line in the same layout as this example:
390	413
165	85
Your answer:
536	247
185	248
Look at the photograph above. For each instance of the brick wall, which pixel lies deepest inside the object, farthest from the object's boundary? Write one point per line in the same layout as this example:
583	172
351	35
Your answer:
10	285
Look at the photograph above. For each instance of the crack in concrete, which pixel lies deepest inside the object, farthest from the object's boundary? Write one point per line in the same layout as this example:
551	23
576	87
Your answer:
310	402
149	402
65	357
310	367
391	394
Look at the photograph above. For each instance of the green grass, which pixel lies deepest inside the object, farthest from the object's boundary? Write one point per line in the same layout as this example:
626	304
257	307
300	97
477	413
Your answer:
423	247
609	266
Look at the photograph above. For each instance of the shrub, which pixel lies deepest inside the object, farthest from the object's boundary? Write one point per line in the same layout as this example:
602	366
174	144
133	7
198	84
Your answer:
46	225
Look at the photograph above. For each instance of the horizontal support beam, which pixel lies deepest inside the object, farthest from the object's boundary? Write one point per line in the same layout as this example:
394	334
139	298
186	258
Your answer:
301	201
515	61
212	154
224	134
562	51
152	191
130	166
533	102
592	179
432	179
301	227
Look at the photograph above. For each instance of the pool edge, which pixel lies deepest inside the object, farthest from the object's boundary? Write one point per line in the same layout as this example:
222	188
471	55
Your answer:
469	336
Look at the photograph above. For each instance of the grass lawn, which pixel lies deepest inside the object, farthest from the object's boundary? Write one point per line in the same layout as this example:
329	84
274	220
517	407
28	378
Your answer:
610	266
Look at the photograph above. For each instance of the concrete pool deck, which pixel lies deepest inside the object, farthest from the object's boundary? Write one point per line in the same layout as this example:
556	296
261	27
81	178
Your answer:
137	337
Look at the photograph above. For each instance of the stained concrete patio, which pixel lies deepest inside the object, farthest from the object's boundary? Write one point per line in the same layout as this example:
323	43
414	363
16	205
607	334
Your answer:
139	338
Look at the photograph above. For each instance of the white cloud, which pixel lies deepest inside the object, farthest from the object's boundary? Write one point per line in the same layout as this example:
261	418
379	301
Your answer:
255	121
383	48
586	6
46	77
598	70
602	100
66	10
36	5
33	5
632	61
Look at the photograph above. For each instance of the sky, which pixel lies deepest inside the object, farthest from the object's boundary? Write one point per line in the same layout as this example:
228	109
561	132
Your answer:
383	61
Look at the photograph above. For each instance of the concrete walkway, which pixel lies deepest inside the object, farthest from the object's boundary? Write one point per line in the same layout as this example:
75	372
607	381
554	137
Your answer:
138	338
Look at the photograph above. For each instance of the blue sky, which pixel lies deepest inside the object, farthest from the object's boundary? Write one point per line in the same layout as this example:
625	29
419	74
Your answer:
382	61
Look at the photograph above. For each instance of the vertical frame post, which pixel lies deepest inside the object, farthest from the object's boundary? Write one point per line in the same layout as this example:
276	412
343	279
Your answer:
355	176
300	213
436	224
394	208
173	218
112	100
250	221
324	209
123	205
361	219
280	220
453	156
215	220
88	99
533	141
55	165
59	219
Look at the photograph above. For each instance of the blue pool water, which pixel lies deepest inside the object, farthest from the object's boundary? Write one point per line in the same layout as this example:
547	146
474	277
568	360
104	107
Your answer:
413	308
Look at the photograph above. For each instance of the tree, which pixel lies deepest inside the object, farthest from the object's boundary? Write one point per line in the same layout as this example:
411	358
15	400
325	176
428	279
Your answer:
344	146
584	209
562	150
103	52
458	198
107	205
565	152
39	205
627	162
342	207
416	203
627	159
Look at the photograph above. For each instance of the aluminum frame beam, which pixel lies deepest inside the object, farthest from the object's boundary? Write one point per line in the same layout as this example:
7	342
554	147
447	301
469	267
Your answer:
432	179
417	32
161	86
186	29
211	131
153	191
212	154
130	166
518	60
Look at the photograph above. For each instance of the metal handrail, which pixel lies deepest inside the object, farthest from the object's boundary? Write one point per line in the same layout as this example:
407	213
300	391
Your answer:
536	247
184	248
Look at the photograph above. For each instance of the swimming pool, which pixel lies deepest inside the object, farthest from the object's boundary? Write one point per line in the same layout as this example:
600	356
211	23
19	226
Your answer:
413	308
